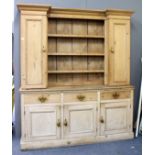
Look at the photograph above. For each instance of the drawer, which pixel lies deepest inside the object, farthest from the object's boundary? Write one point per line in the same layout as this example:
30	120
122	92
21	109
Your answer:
41	98
115	95
80	96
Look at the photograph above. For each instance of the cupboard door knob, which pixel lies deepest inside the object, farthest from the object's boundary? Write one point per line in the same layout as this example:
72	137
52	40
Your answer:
115	95
81	97
101	120
65	122
44	49
112	50
58	123
42	99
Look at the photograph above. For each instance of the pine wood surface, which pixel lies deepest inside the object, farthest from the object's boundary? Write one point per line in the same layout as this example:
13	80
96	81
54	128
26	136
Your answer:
75	76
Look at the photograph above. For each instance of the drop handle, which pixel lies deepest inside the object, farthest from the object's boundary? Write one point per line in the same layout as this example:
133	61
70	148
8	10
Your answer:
65	122
112	50
101	120
58	123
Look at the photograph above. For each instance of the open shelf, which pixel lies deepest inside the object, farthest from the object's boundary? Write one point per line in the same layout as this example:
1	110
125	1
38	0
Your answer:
75	71
75	36
75	54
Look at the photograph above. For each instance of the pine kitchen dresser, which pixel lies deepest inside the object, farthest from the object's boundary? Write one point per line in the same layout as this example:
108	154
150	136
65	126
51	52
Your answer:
75	76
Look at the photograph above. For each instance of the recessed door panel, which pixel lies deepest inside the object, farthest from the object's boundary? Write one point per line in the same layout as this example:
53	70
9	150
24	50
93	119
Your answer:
79	120
116	117
119	52
42	122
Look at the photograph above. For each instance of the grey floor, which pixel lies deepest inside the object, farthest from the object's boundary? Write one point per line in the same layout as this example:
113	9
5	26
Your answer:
126	147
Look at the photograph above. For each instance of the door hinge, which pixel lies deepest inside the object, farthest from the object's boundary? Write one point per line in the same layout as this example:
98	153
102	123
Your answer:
24	112
96	108
130	105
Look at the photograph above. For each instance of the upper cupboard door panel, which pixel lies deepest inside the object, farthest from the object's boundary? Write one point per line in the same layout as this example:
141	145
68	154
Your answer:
119	35
33	51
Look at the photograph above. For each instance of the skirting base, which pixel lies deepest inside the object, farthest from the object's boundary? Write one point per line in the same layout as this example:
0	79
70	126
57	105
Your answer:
25	145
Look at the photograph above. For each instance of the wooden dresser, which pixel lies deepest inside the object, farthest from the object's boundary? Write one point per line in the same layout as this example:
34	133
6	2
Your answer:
75	76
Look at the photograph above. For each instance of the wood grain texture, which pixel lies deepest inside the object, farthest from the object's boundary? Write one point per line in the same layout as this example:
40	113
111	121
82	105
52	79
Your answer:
119	52
34	51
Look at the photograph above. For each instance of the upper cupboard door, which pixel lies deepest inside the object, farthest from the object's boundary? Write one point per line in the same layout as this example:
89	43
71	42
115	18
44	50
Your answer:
119	55
33	51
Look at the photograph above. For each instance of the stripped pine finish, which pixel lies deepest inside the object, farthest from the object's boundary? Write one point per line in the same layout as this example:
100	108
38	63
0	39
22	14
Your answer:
75	76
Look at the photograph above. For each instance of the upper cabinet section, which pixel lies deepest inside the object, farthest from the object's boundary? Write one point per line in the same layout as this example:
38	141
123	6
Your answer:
33	45
66	47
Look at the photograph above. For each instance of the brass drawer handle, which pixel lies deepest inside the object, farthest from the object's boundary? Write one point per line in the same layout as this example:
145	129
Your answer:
65	122
42	99
81	97
116	95
101	120
58	123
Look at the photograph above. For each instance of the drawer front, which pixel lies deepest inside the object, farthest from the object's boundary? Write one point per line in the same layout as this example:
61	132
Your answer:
80	96
115	95
41	98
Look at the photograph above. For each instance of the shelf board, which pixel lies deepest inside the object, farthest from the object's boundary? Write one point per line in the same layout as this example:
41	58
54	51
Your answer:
75	71
75	36
75	54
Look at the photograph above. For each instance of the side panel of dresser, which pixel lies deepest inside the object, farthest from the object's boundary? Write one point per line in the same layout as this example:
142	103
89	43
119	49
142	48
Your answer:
33	50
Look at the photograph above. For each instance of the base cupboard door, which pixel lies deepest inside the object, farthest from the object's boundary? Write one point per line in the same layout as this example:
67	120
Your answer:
79	120
115	117
42	122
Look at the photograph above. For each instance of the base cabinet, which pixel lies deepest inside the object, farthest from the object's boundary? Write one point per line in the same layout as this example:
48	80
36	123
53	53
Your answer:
53	124
42	122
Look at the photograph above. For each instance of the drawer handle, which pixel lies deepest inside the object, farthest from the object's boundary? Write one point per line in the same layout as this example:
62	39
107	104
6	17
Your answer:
65	122
42	99
101	120
58	123
81	97
116	95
